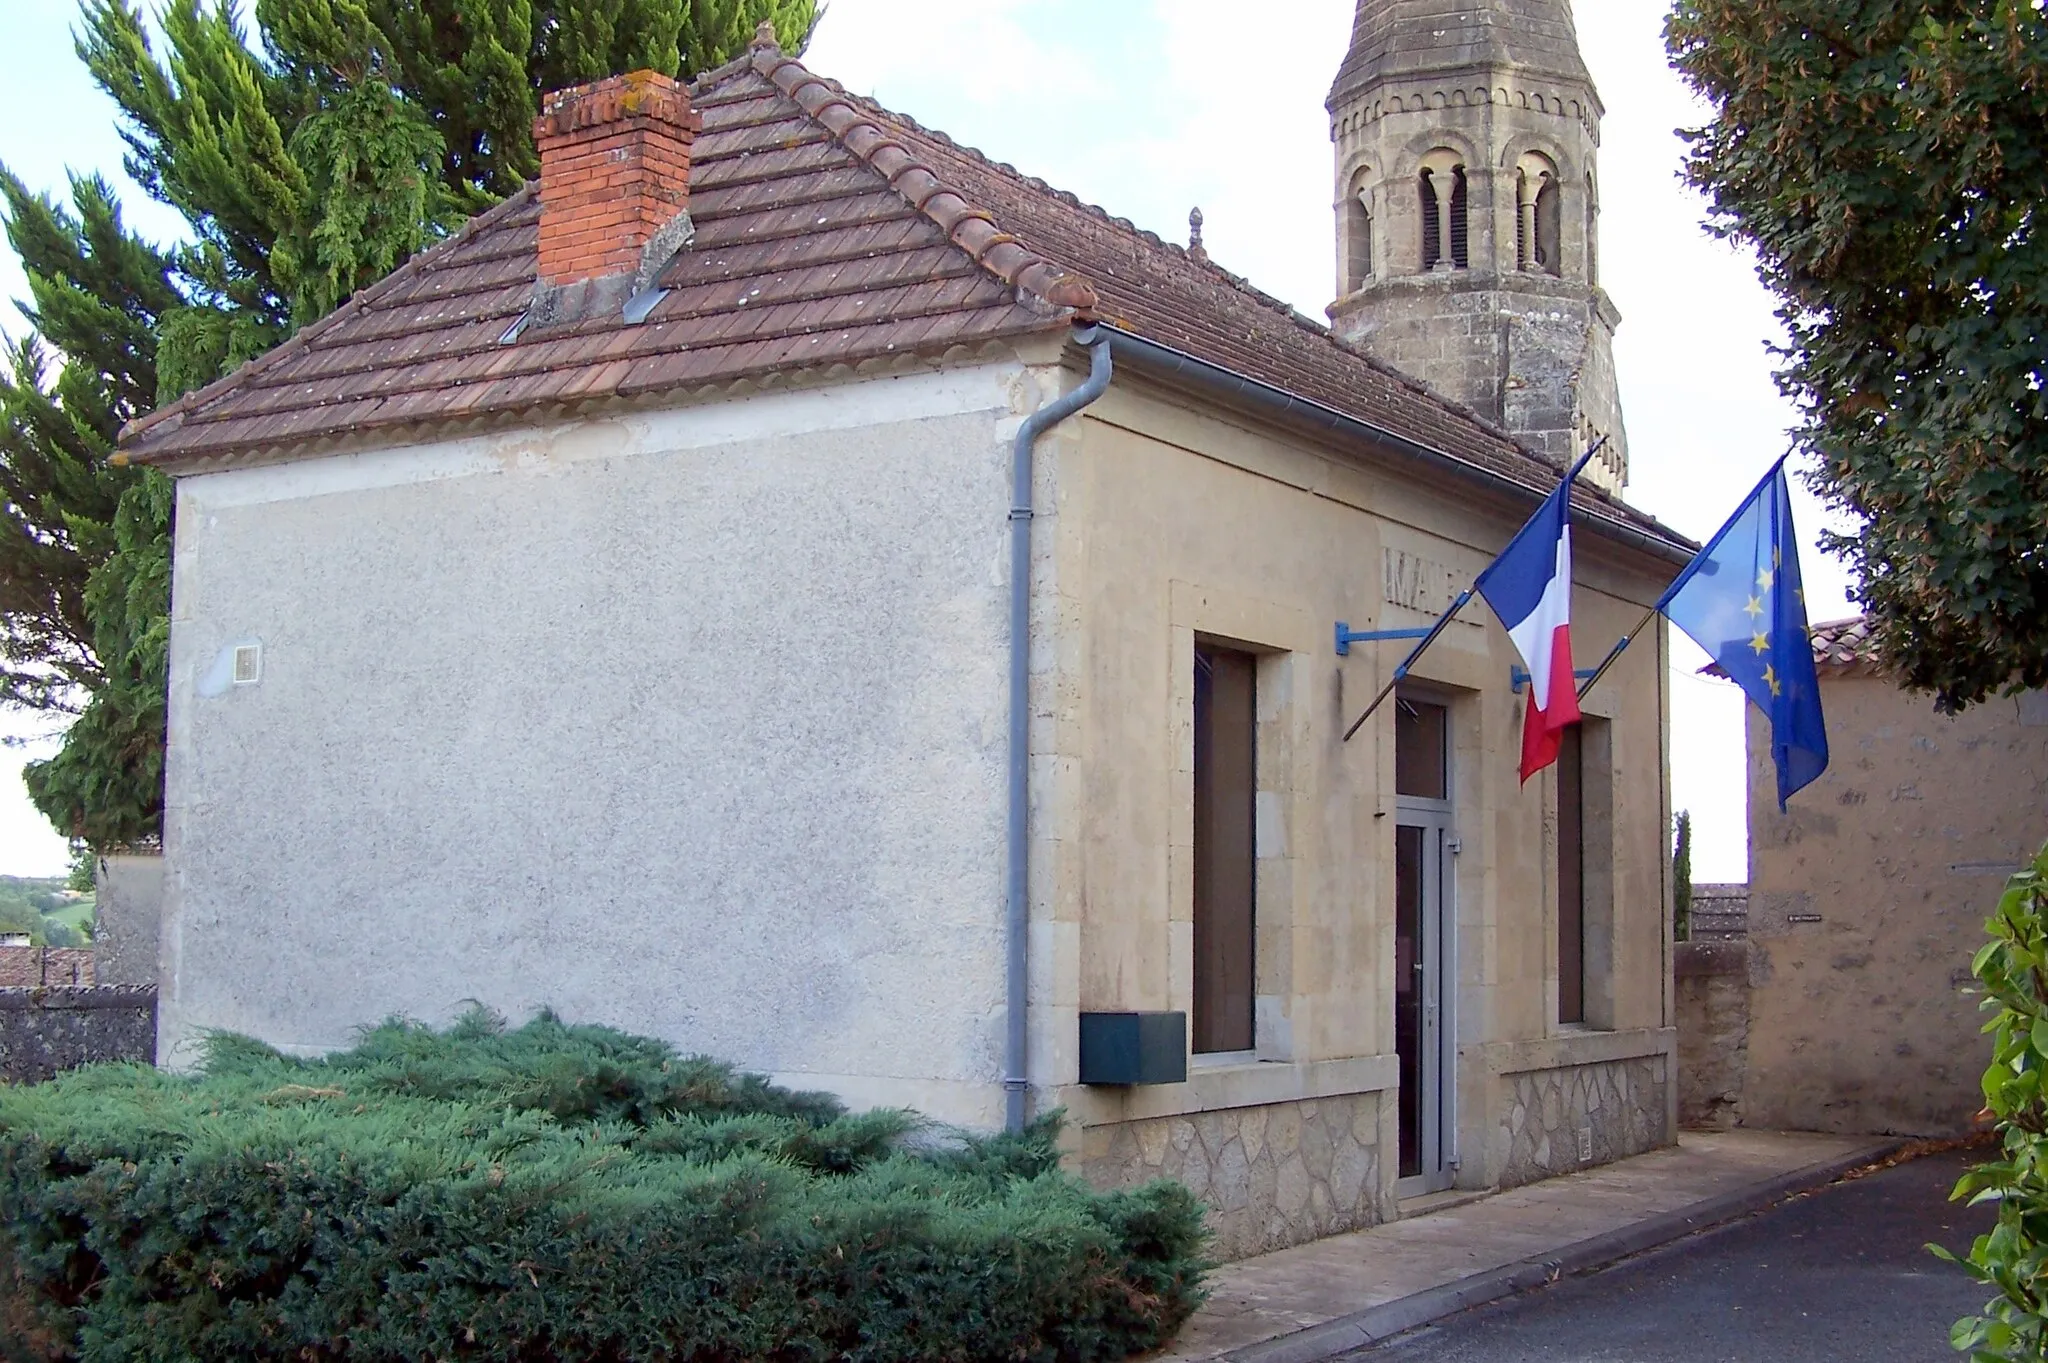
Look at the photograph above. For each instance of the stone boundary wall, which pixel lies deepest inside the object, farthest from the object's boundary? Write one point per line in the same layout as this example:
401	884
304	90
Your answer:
37	967
1719	913
1272	1176
1713	1031
1620	1107
44	1031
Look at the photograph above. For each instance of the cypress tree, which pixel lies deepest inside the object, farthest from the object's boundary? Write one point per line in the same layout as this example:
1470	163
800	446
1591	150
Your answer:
96	294
309	159
1681	879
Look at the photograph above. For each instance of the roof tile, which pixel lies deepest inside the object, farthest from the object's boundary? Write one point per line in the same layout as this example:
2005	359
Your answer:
828	231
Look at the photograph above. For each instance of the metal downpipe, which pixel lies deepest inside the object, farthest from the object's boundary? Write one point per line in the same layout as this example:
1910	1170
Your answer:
1017	840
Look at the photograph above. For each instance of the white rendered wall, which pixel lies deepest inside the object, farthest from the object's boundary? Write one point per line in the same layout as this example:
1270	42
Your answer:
691	722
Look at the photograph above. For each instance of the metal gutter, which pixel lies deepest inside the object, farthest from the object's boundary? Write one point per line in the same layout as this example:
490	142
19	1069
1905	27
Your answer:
1017	880
1153	356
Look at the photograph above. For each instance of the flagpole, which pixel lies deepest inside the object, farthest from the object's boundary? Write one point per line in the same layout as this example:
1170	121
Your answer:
1615	652
1401	672
1684	574
1444	620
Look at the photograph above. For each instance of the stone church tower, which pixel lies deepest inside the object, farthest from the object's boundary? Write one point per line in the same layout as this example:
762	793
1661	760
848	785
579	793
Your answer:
1468	216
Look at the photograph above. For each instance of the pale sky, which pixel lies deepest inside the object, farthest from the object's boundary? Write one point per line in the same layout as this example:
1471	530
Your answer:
1151	107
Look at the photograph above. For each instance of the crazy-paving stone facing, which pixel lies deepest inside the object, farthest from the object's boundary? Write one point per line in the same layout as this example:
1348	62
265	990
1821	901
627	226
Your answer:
1271	1176
1622	1102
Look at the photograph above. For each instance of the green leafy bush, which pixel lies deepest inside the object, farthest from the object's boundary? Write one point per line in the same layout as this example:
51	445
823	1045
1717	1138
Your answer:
2013	1256
550	1193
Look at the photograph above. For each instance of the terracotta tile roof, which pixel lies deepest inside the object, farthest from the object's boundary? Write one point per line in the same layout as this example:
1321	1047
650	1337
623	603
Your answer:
829	232
1841	648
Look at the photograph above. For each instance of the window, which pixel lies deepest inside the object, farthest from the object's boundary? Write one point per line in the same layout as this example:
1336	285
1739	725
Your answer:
1422	767
1225	855
1571	878
1445	239
1538	223
1358	234
1585	885
1460	236
1592	233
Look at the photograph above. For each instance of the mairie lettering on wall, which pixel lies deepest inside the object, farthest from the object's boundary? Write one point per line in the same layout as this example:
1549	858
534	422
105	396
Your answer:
1417	583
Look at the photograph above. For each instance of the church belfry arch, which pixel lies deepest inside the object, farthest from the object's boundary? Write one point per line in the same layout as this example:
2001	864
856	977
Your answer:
1467	256
1538	217
1444	207
1356	227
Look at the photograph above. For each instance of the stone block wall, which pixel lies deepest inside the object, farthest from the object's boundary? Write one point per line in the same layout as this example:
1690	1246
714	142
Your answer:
1622	1103
1713	1032
43	1031
1271	1176
1720	913
35	967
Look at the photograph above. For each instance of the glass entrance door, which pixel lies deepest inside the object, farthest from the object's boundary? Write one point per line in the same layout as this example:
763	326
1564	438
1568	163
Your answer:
1423	970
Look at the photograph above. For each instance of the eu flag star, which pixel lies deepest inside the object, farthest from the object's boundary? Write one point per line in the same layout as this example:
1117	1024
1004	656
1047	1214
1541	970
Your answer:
1741	600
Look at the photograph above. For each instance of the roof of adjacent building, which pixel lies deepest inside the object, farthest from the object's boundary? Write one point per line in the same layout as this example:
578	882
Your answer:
1841	648
831	235
1395	39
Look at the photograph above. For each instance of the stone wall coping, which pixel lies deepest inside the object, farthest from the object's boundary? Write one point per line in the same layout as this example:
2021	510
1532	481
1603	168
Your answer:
1213	1088
46	997
1693	959
1580	1047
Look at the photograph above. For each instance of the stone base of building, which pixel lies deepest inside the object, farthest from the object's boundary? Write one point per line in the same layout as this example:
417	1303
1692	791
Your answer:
1561	1120
1272	1176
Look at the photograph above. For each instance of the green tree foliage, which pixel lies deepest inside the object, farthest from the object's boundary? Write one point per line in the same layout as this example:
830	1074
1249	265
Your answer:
42	908
309	158
104	788
553	1192
96	295
2013	1257
1681	878
1885	158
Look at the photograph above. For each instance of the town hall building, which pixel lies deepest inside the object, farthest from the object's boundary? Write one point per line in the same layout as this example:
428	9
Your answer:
787	584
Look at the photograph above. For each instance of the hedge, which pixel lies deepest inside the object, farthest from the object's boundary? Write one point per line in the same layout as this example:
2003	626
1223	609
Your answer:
552	1192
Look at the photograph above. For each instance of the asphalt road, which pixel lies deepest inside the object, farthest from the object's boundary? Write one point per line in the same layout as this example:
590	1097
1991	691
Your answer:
1836	1276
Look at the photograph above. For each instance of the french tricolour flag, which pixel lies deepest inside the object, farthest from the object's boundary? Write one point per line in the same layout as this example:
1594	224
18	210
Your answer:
1530	588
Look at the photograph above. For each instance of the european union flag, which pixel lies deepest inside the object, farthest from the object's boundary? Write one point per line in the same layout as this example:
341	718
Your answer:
1741	601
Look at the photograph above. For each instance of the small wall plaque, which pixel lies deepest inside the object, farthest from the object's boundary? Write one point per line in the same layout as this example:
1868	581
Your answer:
1802	918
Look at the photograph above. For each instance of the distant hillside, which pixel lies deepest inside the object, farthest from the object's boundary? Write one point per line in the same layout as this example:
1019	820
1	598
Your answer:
45	909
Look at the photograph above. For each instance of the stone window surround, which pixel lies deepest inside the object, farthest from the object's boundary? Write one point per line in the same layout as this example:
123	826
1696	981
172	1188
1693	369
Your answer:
1283	639
1215	1088
1598	926
1212	1088
1574	1046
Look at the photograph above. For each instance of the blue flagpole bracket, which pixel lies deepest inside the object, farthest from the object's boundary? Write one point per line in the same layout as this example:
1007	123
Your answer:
1347	636
1518	676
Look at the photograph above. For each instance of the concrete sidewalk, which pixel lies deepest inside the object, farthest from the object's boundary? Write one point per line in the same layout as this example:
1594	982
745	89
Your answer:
1320	1300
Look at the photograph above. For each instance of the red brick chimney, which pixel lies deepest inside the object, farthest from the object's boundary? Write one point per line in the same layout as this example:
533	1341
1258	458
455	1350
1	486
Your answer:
614	172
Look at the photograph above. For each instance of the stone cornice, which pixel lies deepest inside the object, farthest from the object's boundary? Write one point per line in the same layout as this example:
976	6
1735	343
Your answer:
1468	90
